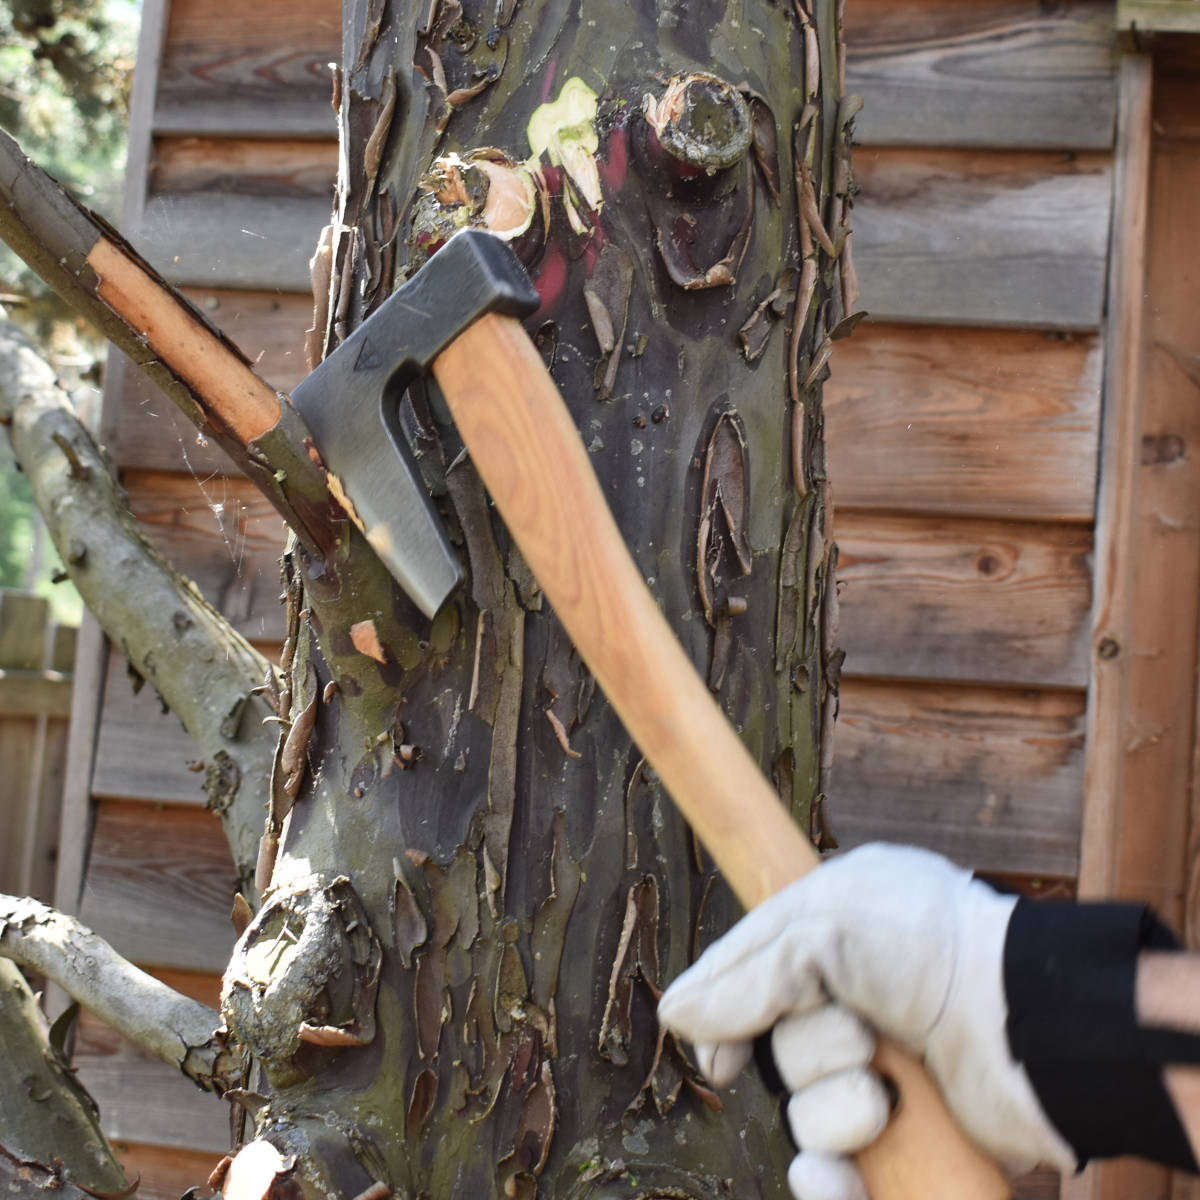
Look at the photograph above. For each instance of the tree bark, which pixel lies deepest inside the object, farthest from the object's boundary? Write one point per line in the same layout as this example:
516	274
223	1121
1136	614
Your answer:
481	883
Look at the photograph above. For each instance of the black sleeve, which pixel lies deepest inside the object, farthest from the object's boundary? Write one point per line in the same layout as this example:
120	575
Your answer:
1069	975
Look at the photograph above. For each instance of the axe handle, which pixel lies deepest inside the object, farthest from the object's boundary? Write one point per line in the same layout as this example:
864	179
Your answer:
529	455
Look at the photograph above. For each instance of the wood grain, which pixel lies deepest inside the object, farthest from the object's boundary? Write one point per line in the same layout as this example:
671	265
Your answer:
991	777
999	74
964	600
970	238
965	422
255	69
238	165
160	885
1116	504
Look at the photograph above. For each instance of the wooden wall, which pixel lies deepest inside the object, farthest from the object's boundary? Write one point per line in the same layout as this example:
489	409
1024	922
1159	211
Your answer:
963	425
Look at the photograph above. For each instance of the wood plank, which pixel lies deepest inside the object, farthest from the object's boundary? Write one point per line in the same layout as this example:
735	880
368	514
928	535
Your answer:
224	535
232	240
23	620
149	1101
1159	16
142	753
1000	74
166	1172
964	600
160	885
965	422
146	428
280	167
990	777
255	69
1158	844
34	693
994	238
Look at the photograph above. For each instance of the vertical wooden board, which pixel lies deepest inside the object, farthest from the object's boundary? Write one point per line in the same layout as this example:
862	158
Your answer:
982	238
160	886
965	422
1159	734
256	69
964	600
23	621
1001	73
990	777
43	835
21	758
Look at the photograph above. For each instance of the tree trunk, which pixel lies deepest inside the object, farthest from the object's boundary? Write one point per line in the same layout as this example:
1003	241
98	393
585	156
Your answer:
479	888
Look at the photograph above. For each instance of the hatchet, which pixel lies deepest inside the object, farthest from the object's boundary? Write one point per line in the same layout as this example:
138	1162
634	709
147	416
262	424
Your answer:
458	316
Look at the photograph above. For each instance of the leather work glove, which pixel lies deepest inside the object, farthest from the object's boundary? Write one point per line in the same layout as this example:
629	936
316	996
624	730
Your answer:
886	938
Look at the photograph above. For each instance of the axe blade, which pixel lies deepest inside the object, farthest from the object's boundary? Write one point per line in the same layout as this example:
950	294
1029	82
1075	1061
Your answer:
351	401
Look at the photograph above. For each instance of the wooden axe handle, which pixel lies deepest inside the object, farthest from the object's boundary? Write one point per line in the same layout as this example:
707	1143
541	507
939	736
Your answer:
529	455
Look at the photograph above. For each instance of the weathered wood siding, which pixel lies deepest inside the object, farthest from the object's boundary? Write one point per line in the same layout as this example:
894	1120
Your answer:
963	422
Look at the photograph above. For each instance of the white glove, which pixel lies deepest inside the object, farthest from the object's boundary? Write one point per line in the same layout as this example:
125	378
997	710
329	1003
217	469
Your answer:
914	947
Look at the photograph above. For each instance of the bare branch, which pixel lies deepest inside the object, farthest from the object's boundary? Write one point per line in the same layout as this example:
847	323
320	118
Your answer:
173	1027
201	666
105	280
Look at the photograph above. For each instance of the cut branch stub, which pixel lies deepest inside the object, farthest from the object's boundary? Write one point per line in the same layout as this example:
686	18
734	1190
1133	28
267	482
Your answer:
701	121
305	971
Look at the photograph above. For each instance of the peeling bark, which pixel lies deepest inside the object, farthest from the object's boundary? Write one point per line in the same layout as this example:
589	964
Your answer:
527	878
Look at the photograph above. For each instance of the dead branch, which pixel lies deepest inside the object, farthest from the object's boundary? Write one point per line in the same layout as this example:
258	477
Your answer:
204	670
50	1136
173	1027
105	280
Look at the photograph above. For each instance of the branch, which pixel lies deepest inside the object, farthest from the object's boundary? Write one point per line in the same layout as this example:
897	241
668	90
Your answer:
202	667
105	280
48	1124
173	1027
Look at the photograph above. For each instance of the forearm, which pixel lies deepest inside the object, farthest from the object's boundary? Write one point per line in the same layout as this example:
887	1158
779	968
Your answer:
1168	996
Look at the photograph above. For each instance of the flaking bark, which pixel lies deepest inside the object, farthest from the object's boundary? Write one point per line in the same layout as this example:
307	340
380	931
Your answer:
530	886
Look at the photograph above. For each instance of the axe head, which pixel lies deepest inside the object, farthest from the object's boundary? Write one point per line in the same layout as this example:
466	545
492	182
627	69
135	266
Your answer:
350	404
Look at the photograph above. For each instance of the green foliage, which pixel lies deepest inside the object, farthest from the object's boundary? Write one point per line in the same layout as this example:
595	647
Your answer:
65	68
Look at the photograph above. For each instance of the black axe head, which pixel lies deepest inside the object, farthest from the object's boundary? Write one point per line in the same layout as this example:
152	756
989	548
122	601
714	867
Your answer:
350	404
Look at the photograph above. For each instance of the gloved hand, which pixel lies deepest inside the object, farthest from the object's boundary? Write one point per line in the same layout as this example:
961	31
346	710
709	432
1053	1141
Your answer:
886	938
